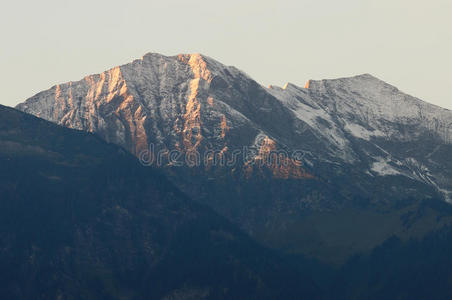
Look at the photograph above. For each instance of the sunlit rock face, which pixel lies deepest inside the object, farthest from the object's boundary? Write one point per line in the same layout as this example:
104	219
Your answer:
354	138
187	102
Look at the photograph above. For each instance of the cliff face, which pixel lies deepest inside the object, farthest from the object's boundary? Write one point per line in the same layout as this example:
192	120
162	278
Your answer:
263	157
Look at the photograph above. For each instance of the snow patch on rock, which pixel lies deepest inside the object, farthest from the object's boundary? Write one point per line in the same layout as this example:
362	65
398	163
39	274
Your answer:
383	168
361	132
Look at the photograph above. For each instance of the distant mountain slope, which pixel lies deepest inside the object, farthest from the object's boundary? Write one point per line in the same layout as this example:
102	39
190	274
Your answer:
349	147
81	219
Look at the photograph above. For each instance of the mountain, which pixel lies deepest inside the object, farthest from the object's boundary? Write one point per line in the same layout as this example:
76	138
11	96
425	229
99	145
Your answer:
83	219
329	170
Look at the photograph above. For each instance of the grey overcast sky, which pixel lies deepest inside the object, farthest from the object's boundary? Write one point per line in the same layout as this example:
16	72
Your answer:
407	43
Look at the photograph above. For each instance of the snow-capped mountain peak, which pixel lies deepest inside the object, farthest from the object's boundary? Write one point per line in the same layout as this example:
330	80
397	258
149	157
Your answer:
192	102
